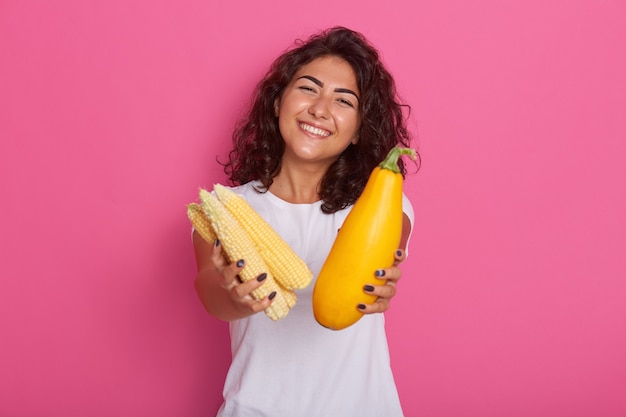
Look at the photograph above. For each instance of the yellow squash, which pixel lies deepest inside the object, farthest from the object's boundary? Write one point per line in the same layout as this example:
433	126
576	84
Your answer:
366	242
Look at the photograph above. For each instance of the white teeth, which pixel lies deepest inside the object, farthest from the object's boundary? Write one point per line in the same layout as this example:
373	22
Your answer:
314	130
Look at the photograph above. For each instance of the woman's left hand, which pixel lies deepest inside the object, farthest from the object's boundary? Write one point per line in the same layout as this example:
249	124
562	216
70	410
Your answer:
384	292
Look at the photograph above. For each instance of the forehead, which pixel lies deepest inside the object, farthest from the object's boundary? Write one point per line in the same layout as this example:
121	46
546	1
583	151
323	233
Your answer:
330	70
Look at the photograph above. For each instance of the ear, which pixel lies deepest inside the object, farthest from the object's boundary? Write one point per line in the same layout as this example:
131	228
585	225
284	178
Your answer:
357	136
276	106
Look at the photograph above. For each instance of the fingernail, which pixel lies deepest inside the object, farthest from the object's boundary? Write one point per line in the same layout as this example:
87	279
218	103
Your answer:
380	273
398	253
261	277
272	295
368	288
217	242
240	263
361	306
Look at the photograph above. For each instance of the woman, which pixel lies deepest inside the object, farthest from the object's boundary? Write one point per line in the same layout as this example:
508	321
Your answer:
323	117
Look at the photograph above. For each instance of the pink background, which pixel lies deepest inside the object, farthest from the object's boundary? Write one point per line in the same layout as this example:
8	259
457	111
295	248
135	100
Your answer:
111	114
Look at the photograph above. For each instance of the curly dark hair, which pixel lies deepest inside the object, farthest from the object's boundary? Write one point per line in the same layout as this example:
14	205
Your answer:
257	143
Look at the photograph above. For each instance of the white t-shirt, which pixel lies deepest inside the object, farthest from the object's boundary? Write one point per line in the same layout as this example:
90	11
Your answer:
294	367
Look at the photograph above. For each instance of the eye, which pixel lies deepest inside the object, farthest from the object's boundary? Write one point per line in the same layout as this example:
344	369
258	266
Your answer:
345	102
306	88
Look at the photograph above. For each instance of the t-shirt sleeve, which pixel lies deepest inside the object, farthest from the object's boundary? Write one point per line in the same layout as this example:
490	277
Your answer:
407	208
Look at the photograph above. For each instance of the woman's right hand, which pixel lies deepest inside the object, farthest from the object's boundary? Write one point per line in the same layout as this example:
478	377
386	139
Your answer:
218	285
239	292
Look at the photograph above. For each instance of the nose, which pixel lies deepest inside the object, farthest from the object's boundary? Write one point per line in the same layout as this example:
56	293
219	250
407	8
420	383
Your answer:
320	108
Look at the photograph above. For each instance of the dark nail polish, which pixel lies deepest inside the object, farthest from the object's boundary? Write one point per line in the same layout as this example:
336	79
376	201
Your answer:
368	288
272	295
361	306
380	273
240	263
261	277
217	242
398	253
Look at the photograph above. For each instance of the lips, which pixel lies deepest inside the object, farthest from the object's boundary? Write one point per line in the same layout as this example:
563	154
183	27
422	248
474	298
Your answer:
314	130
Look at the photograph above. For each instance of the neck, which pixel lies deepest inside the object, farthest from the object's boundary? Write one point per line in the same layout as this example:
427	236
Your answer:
297	184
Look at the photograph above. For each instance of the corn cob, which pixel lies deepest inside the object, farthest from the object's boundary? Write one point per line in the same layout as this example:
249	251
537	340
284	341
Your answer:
238	245
288	268
290	297
201	222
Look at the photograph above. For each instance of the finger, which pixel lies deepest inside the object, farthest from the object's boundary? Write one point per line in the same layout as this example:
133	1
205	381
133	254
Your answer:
379	306
217	257
245	289
231	274
390	274
399	256
387	291
258	306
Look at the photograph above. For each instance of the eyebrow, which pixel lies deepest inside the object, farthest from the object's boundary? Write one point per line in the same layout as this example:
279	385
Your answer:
321	84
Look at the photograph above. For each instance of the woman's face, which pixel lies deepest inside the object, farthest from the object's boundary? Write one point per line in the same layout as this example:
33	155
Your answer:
318	113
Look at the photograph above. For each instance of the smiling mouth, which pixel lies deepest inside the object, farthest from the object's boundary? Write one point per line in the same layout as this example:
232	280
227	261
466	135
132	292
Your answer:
314	130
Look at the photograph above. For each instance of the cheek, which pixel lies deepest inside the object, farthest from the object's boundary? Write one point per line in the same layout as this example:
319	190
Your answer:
284	108
284	128
351	124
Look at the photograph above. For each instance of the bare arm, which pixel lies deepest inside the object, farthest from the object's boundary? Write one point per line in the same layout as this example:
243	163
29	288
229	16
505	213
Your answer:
220	291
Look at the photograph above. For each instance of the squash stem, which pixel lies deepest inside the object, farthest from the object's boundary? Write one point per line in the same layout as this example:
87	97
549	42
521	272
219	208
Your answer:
391	161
